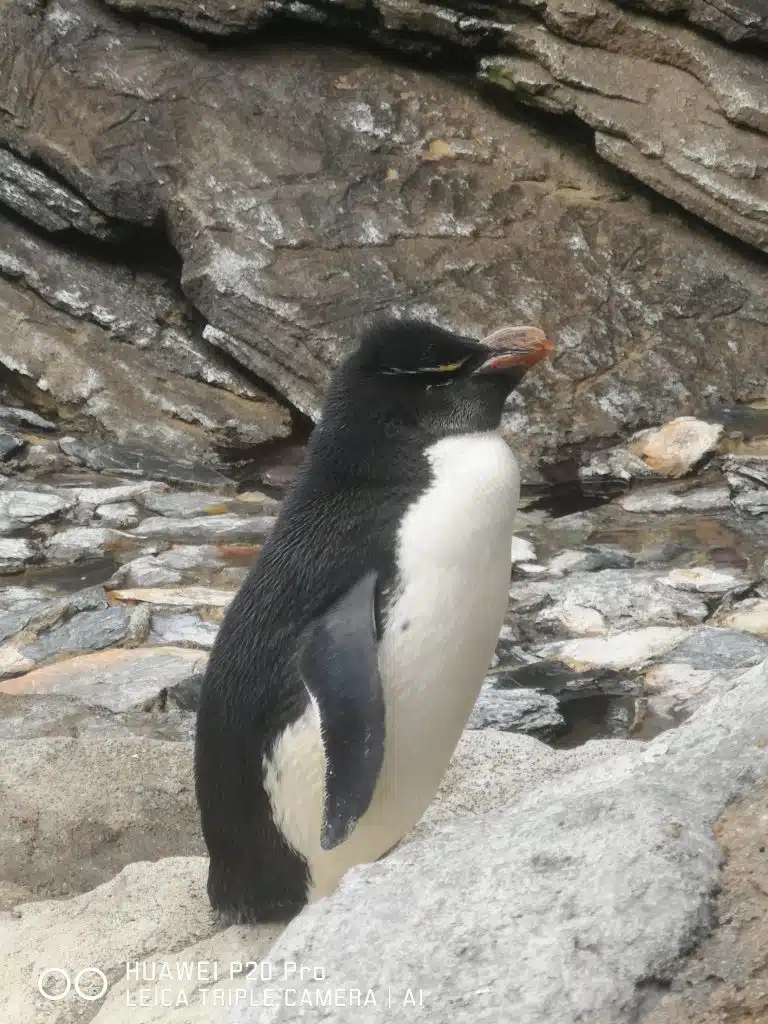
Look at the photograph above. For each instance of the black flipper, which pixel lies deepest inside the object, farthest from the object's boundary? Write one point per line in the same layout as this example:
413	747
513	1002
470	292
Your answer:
339	666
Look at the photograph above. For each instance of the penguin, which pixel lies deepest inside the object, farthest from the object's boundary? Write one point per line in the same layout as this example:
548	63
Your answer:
348	662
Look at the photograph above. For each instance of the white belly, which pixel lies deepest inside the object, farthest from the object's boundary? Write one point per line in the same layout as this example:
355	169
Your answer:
441	630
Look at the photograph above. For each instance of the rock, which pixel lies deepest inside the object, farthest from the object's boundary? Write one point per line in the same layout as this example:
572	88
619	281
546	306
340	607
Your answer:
223	527
751	616
555	679
676	448
136	460
147	571
121	514
181	597
146	909
121	346
19	509
122	799
190	504
84	542
748	470
725	974
735	20
663	499
594	602
25	418
522	551
523	711
117	680
631	649
94	497
703	580
444	209
15	554
619	857
48	203
590	559
10	444
183	629
87	631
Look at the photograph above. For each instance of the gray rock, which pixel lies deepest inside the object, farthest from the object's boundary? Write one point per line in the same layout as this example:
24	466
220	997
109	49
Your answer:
136	460
591	603
147	571
86	631
668	499
122	799
183	629
225	527
443	212
15	554
590	559
525	711
186	505
80	543
120	514
46	202
22	508
10	444
93	497
115	679
618	860
25	418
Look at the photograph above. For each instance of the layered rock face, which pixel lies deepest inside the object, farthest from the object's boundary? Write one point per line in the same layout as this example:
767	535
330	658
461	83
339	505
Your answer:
306	189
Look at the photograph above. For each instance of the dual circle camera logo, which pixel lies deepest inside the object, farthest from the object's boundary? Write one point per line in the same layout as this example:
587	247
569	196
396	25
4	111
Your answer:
54	983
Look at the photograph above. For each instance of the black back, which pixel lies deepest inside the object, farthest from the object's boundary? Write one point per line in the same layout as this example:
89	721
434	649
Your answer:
366	464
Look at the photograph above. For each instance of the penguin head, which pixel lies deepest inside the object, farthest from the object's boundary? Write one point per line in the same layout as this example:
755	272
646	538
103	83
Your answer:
415	374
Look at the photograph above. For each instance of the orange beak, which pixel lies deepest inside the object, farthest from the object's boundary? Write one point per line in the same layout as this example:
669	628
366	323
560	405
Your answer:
515	347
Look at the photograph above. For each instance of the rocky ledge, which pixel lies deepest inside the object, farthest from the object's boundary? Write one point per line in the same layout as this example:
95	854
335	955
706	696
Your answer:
615	753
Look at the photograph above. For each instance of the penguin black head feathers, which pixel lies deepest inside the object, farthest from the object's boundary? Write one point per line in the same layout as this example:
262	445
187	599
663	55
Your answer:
422	377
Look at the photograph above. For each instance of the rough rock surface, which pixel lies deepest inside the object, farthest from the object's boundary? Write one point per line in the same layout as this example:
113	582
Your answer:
120	799
388	189
611	876
697	135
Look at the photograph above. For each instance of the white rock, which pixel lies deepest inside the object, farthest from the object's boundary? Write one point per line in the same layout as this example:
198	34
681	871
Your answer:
92	497
84	542
182	597
522	551
120	514
15	552
631	649
702	580
24	508
750	615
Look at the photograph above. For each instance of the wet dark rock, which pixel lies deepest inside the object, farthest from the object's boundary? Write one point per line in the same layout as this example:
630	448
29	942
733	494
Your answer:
591	558
185	694
143	462
10	444
565	683
86	631
525	711
23	417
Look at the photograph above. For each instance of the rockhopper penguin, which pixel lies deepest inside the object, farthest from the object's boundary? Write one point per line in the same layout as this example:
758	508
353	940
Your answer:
348	663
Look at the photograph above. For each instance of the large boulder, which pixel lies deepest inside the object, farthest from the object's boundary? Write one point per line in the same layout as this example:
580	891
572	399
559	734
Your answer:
574	903
309	189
